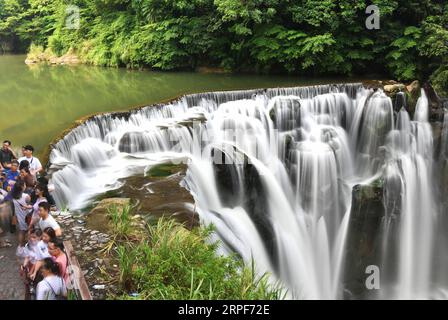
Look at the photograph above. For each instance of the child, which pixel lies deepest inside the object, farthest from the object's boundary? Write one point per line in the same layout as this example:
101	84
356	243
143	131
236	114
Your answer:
31	252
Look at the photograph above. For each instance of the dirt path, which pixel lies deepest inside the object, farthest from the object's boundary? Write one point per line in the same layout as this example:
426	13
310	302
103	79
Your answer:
11	285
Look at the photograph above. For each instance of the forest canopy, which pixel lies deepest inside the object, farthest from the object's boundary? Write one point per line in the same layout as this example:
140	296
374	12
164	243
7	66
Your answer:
311	37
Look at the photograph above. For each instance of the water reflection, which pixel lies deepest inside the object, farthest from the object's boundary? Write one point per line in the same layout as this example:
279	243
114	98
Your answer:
38	102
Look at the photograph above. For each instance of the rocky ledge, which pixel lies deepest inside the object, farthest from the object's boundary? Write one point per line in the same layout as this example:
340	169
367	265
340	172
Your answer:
70	58
87	244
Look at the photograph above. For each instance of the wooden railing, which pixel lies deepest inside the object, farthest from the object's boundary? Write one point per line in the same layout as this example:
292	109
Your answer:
77	280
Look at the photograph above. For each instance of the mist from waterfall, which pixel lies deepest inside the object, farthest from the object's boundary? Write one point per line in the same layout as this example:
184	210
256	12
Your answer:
274	171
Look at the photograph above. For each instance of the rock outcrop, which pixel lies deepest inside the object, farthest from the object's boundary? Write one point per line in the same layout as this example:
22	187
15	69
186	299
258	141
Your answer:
98	216
70	58
364	234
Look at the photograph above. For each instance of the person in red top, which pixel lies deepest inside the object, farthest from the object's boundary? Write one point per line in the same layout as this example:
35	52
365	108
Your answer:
56	250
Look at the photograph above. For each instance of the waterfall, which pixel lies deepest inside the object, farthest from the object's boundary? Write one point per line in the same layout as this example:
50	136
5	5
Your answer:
273	170
444	138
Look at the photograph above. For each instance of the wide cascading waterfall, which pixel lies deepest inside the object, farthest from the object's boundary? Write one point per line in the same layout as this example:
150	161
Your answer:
409	161
274	170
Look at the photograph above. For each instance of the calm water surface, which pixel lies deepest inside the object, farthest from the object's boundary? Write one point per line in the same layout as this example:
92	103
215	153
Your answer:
38	102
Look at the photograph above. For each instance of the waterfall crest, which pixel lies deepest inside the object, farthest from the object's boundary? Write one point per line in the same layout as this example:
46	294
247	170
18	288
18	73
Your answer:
274	171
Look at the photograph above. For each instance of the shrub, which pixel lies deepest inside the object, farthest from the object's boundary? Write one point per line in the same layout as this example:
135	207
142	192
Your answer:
174	263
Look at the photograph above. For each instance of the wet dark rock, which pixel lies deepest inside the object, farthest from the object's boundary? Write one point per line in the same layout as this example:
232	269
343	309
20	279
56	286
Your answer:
364	234
227	172
285	114
257	207
158	193
134	142
414	87
400	101
250	194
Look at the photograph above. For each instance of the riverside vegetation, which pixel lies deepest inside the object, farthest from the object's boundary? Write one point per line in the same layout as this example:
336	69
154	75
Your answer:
163	260
267	36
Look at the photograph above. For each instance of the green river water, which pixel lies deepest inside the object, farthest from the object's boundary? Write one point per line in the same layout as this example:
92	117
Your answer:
38	102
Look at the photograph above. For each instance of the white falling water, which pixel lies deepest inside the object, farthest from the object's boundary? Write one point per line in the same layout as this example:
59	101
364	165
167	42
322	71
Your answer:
409	160
293	154
444	137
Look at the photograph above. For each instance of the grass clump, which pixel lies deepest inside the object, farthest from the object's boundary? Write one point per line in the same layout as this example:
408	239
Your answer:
121	221
171	263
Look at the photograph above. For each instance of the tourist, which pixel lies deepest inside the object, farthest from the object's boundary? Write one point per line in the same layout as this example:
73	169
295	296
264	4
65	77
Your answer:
52	286
11	176
21	207
24	164
56	249
42	182
31	256
47	235
26	176
40	192
47	220
31	252
35	165
6	155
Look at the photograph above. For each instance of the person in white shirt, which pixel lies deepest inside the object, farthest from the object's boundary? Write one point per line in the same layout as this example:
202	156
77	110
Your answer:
52	287
34	164
46	220
48	235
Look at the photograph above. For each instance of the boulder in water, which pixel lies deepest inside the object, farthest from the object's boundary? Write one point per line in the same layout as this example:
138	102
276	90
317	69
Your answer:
394	88
364	236
414	87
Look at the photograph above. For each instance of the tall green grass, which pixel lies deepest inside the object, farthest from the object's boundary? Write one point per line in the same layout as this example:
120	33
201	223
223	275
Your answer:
174	263
121	221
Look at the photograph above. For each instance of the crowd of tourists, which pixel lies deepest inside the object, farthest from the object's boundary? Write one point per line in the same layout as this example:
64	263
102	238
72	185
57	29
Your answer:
26	207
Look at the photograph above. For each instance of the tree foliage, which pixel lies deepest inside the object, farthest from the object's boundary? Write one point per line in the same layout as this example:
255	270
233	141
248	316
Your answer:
268	36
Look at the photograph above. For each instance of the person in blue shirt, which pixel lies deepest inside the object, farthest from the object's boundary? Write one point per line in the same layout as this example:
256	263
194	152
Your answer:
11	176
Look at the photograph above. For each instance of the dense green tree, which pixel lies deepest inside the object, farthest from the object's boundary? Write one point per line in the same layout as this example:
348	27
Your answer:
268	36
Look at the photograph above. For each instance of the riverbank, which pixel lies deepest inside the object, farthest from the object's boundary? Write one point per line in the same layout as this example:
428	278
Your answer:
37	55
